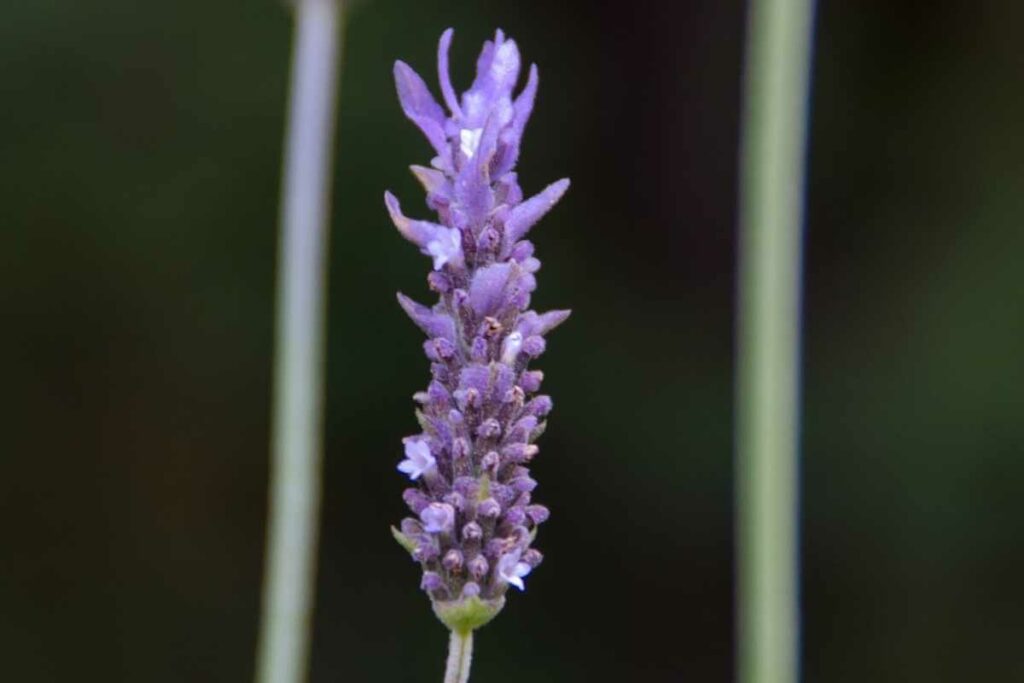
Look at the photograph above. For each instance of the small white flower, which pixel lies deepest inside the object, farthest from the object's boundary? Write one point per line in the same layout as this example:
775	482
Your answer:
510	347
511	570
417	459
446	247
438	518
469	140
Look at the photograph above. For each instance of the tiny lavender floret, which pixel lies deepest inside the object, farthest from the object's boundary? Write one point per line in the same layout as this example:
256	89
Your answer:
473	521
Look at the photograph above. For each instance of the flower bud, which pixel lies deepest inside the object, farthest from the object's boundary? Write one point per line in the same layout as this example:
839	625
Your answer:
456	500
514	516
415	499
478	350
539	406
489	429
438	518
489	240
438	282
425	551
452	561
467	486
530	380
524	484
472	532
489	463
534	346
432	581
478	567
489	509
537	513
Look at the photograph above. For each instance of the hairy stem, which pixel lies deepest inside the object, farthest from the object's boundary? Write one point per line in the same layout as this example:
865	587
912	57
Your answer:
290	568
460	656
771	215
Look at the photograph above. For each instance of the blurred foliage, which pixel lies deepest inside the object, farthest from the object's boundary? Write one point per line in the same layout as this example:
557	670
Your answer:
139	196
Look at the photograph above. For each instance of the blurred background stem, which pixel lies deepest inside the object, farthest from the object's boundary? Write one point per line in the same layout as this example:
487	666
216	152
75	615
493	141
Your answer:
771	216
291	549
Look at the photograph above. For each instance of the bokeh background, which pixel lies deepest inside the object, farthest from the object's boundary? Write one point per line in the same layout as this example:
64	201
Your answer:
138	203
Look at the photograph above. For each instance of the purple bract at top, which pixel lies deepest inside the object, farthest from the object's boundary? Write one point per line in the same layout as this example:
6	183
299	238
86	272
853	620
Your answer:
473	519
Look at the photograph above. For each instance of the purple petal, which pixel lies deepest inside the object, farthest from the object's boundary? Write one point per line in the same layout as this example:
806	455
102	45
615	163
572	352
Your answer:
524	216
432	180
443	74
442	243
530	323
509	186
497	71
520	284
417	232
521	251
433	324
503	70
483	65
512	136
511	570
473	190
419	105
523	105
487	289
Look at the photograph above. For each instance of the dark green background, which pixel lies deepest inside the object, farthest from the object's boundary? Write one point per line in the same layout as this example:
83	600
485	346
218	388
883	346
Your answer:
138	202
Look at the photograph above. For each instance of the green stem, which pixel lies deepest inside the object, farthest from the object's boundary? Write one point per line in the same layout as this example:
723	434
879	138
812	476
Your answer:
460	656
290	569
775	122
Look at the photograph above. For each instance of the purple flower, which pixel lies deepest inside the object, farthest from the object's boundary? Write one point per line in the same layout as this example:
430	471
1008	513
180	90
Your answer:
417	459
474	519
512	571
438	518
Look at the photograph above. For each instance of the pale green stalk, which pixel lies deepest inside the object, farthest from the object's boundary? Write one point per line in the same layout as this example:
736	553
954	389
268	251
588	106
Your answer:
460	656
290	569
771	216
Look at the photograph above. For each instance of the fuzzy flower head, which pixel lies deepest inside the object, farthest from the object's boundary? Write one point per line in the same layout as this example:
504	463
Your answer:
474	520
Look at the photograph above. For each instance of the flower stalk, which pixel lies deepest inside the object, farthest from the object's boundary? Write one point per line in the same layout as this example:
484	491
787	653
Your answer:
771	216
460	656
290	569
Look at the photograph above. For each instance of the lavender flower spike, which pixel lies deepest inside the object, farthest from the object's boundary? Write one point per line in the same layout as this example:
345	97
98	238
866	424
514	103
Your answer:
473	522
